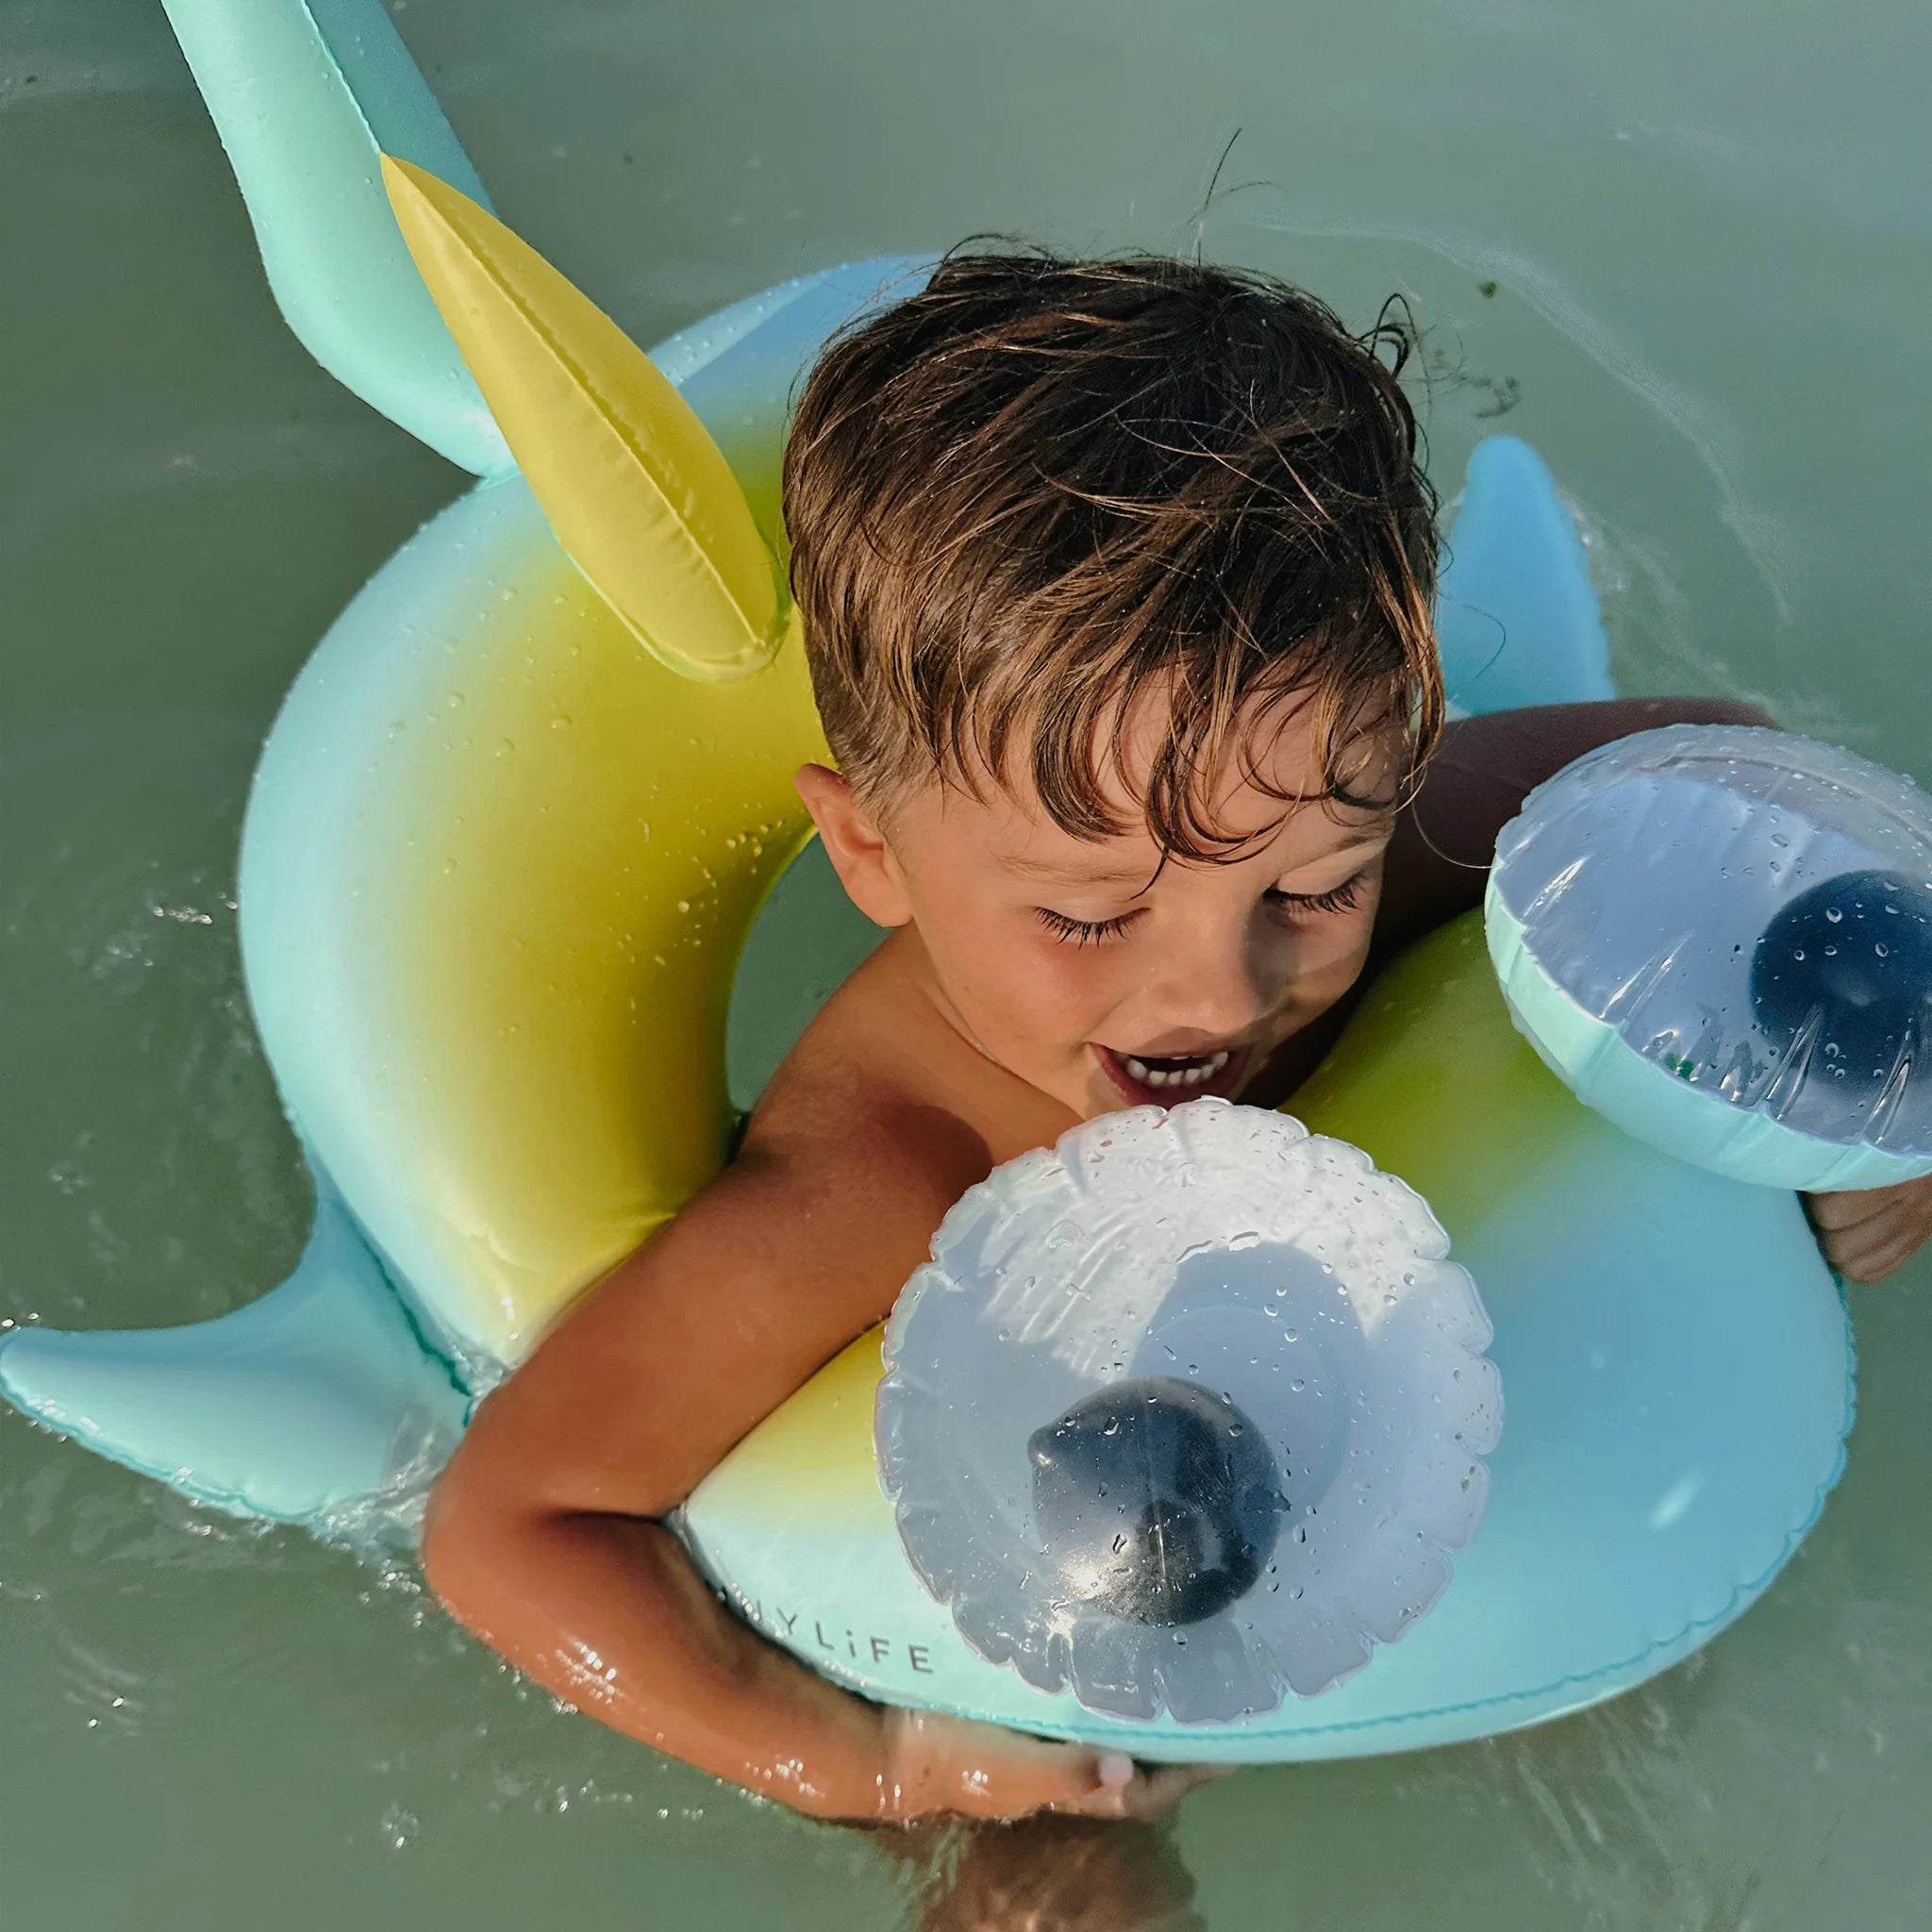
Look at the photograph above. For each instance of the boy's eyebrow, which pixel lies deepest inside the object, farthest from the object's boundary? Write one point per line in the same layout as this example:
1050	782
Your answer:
1381	826
1076	873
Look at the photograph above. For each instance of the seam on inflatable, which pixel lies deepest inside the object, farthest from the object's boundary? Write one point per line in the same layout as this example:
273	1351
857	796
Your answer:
75	1429
508	465
668	350
638	453
342	79
445	1359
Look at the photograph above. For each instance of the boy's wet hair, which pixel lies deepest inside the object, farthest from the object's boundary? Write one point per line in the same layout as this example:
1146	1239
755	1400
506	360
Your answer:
1042	489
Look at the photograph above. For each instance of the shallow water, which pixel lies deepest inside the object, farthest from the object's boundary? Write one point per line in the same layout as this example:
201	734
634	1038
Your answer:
1683	249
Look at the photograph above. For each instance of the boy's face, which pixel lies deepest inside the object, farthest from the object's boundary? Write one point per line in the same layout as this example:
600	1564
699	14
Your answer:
1102	977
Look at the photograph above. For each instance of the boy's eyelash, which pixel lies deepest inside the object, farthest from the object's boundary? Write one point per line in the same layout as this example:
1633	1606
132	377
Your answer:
1091	932
1083	932
1337	899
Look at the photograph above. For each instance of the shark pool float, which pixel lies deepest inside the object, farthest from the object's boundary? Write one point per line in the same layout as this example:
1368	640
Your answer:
506	839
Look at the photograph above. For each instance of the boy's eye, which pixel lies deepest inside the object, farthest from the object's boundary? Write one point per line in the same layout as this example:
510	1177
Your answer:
1083	932
1339	898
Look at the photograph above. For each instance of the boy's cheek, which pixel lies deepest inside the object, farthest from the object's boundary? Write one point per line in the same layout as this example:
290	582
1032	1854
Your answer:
1014	991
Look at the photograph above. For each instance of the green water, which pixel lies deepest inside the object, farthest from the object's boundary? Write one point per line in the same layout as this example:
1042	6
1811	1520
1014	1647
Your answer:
1680	247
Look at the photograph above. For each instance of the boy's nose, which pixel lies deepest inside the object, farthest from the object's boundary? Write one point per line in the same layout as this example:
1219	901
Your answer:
1219	990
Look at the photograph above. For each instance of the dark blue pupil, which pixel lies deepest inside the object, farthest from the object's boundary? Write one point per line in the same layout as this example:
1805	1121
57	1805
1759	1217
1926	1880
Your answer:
1156	1500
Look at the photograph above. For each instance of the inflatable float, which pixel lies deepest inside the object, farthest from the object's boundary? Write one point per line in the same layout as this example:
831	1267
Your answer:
1765	1011
508	838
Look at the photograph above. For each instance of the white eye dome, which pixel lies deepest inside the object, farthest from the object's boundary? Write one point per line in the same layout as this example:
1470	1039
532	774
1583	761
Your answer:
1722	938
1185	1414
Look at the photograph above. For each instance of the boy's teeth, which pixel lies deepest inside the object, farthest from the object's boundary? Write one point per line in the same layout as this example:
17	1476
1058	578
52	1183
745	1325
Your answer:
1173	1076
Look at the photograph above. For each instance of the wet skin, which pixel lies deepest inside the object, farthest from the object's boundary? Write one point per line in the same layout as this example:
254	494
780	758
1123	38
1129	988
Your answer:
1025	971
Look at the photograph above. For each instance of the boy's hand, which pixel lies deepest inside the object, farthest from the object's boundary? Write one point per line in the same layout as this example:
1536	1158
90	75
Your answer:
938	1764
1871	1233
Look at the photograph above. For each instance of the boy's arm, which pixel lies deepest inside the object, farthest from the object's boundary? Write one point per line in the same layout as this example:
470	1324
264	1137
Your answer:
544	1536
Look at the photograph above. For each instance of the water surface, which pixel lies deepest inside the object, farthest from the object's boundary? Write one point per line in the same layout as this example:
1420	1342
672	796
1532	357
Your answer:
1682	248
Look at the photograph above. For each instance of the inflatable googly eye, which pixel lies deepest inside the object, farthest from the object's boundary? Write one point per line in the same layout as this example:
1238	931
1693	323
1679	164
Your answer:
1185	1414
1720	938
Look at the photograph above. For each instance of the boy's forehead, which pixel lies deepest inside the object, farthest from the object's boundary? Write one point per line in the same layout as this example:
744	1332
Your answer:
1274	791
1302	834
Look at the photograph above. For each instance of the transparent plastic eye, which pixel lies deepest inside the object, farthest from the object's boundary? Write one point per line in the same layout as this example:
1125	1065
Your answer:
1186	1413
1722	938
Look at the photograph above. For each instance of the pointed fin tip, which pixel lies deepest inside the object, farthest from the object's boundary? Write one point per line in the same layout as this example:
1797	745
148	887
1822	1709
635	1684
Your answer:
638	494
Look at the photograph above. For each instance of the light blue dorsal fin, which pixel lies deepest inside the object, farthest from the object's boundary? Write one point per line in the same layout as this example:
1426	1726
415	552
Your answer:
307	95
1516	616
312	1397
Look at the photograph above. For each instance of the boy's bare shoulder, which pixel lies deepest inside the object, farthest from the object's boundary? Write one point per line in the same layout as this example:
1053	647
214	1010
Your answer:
880	1085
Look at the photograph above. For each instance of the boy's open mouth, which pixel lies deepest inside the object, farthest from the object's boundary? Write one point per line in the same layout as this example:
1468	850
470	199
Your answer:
1147	1081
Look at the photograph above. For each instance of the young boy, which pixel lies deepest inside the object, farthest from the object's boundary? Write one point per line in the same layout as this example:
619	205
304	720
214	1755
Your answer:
1116	581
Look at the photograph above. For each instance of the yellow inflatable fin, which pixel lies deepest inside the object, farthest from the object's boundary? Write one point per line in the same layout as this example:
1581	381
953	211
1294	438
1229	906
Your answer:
639	494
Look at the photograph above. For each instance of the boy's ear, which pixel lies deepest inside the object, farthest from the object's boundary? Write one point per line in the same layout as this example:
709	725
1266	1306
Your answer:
858	849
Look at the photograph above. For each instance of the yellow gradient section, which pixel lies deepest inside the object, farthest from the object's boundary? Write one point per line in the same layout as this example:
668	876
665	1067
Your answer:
591	836
816	1450
1433	1081
636	489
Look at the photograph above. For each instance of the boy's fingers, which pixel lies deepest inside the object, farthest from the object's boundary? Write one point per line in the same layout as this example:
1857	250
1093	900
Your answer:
1018	1774
1833	1213
1145	1793
1872	1249
1853	1259
1149	1792
1875	1263
1871	1232
939	1763
1160	1789
1017	1792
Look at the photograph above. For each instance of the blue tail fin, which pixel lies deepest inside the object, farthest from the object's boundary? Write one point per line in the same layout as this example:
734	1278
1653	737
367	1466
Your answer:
1515	613
314	1396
